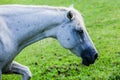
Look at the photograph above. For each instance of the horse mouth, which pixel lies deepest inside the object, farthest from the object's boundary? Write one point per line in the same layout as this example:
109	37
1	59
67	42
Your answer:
86	61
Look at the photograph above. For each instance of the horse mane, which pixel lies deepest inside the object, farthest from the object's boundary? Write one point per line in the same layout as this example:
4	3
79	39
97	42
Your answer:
37	7
12	9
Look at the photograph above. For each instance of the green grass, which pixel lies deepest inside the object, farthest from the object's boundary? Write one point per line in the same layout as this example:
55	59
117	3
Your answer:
49	61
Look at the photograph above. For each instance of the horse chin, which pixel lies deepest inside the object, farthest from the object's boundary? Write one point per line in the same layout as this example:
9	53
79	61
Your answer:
85	62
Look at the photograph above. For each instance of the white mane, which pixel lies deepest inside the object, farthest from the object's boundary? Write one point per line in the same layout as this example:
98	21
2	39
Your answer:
24	8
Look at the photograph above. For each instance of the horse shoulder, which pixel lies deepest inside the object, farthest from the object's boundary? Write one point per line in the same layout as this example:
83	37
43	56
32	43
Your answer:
6	39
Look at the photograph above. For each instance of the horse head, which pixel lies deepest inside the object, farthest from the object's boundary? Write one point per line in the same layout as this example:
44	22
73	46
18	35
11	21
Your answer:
73	35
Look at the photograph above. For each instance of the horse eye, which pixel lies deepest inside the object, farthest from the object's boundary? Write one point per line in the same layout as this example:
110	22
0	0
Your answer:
80	31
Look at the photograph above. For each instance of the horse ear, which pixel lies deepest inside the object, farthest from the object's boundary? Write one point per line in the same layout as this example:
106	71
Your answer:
70	15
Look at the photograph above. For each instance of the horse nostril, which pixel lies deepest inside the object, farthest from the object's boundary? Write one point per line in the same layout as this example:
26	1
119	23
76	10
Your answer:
96	55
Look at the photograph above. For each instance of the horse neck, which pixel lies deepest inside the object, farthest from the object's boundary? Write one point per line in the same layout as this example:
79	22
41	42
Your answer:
34	26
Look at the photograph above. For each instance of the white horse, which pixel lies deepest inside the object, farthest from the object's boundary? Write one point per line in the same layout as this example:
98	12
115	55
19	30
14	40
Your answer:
22	25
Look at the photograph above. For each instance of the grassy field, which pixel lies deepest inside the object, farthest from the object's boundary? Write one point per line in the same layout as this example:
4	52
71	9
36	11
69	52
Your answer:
49	61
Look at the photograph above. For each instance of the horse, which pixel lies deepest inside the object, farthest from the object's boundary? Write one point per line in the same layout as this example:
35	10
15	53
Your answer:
22	25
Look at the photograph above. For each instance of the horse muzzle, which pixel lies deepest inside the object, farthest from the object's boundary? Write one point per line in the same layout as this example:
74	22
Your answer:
89	58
